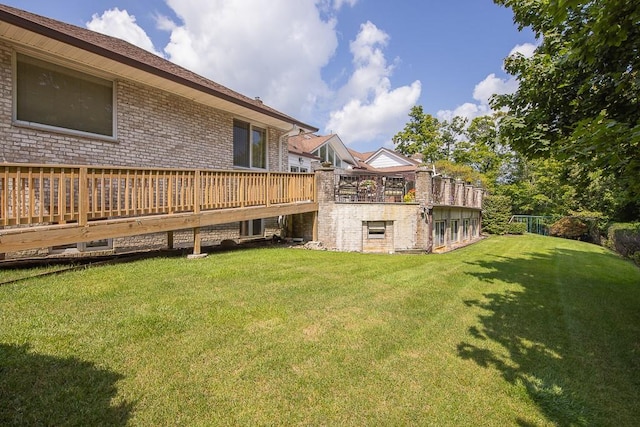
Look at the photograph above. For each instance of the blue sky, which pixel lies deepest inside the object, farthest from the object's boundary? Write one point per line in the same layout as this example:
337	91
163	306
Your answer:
352	67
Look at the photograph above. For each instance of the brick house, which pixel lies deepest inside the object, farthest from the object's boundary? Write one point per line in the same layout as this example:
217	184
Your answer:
71	96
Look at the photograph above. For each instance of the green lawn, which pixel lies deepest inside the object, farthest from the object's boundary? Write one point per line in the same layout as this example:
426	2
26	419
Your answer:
520	330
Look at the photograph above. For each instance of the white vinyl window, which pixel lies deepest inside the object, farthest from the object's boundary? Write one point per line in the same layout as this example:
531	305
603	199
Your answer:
249	145
328	154
474	227
52	96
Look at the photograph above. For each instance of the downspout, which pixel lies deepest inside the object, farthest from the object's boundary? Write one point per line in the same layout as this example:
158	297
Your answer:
280	140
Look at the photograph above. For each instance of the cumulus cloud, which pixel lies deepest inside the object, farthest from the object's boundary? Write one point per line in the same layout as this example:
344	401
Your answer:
493	85
526	49
371	110
276	53
118	23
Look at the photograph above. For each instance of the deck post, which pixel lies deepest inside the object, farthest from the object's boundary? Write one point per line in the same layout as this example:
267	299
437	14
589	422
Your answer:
197	242
83	196
169	239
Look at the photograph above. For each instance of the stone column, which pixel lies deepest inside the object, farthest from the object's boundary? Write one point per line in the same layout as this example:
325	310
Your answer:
325	227
459	193
448	183
424	198
468	195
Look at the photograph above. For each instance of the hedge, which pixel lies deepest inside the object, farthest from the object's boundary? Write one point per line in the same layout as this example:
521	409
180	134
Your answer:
516	228
624	238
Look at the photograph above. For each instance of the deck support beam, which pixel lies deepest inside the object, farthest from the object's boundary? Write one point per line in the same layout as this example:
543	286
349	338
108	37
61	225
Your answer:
24	238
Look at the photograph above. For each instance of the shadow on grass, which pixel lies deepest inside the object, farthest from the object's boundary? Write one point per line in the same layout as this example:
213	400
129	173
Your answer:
565	331
38	389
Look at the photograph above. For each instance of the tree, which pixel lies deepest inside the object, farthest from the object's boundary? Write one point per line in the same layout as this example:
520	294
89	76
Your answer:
486	151
579	94
420	135
496	213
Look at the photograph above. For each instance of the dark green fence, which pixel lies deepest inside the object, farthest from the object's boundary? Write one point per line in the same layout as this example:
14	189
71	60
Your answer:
535	224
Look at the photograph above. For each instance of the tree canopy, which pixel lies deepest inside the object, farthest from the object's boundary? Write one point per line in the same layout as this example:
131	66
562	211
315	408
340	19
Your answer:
579	94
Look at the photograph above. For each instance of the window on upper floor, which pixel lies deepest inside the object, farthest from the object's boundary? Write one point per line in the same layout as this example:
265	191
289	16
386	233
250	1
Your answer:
249	145
328	154
52	96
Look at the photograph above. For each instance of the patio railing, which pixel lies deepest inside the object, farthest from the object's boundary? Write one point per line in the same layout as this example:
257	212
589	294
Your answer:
44	194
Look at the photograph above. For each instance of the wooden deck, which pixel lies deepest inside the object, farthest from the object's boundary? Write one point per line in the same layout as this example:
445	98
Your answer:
50	205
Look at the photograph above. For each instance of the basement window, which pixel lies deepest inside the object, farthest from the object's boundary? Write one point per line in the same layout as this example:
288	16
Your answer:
376	229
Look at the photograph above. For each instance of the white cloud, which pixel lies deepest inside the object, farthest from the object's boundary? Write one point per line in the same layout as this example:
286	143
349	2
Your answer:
337	4
526	49
493	85
276	52
369	109
377	120
468	110
118	23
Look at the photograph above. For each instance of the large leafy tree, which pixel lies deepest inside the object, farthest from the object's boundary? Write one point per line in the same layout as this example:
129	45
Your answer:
579	94
421	135
486	151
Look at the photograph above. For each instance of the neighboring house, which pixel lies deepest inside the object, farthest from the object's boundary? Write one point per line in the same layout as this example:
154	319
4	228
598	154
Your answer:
307	150
71	96
386	161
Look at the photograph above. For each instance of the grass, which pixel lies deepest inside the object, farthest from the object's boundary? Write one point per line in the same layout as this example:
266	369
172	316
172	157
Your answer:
511	331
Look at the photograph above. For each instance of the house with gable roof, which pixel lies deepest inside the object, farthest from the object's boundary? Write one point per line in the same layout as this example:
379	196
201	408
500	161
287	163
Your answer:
309	149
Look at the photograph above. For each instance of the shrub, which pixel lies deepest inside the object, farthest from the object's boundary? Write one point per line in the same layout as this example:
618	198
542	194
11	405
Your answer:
496	213
516	228
624	238
410	197
570	227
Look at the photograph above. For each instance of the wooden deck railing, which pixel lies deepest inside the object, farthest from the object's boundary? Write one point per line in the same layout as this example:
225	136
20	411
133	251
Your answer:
43	194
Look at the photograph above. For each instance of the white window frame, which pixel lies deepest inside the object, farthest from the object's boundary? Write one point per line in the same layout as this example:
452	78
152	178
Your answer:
69	70
465	228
